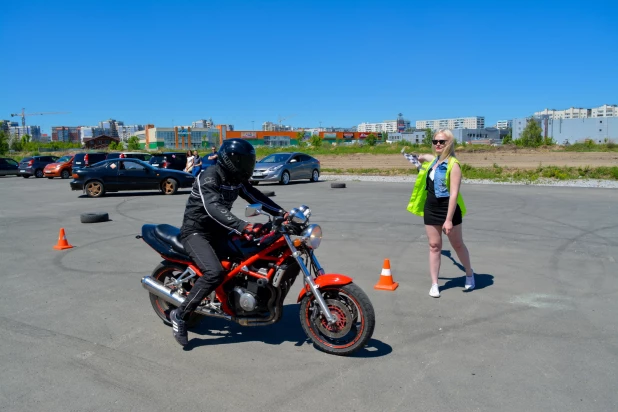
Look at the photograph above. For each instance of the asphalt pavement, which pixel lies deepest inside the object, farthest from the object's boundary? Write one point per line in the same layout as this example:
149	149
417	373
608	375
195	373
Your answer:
539	333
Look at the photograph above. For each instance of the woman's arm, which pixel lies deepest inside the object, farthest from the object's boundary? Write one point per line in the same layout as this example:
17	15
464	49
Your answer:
426	158
455	183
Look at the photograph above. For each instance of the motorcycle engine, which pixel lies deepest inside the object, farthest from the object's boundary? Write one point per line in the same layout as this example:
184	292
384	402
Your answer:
245	299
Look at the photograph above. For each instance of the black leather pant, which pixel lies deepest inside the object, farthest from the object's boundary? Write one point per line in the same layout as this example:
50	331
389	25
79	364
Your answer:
205	258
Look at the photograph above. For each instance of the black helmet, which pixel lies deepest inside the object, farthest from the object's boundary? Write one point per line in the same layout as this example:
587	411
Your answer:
237	158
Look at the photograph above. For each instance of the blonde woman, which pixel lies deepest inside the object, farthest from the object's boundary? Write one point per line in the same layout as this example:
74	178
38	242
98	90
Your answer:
189	166
436	197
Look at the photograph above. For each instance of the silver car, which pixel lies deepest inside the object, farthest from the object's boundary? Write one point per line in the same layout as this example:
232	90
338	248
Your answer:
285	167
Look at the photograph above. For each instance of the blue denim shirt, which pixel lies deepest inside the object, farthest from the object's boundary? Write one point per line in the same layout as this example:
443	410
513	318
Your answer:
439	179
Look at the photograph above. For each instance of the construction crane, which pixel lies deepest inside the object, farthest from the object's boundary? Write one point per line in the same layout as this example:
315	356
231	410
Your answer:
281	119
23	115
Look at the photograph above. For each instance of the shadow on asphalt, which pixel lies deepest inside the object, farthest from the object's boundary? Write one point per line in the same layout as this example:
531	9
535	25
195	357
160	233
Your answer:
133	194
481	280
288	329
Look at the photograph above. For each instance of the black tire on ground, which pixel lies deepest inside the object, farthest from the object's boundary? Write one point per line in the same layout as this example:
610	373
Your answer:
355	320
285	178
255	182
65	174
38	173
169	186
50	178
315	175
161	307
25	176
96	217
269	194
95	188
337	185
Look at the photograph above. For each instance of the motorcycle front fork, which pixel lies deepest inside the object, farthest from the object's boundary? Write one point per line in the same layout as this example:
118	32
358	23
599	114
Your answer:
309	280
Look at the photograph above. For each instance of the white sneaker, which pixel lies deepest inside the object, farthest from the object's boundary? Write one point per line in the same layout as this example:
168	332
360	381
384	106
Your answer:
434	292
470	282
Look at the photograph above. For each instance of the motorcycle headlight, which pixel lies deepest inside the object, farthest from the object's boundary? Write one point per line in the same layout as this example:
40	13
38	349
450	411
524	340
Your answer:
312	236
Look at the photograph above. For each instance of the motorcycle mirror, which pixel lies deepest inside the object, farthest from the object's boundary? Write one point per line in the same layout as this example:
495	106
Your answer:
253	210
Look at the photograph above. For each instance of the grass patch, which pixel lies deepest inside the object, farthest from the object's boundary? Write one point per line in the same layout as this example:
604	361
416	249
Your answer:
501	174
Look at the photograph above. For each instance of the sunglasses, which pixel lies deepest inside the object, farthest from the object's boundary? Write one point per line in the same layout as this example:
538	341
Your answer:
442	142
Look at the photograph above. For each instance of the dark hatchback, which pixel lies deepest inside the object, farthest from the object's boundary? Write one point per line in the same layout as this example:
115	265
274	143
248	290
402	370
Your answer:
129	155
85	159
34	166
128	174
169	160
8	167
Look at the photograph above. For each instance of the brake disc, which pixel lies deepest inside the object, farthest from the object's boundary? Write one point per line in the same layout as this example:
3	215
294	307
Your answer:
343	322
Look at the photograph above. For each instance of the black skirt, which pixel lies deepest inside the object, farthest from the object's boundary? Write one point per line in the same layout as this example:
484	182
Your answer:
436	209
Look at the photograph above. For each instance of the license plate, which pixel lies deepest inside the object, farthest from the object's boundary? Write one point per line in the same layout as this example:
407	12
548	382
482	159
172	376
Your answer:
155	164
23	171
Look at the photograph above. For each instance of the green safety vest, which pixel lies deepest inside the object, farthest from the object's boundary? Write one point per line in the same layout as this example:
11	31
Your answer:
416	205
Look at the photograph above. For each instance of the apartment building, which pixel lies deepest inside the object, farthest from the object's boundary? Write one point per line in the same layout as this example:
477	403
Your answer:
504	124
605	111
389	126
33	131
580	113
473	122
66	134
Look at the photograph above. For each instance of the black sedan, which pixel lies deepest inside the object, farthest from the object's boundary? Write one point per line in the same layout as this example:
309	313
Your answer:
128	174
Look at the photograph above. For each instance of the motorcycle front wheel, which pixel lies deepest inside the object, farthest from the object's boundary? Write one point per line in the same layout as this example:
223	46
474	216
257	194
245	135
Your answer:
165	272
354	325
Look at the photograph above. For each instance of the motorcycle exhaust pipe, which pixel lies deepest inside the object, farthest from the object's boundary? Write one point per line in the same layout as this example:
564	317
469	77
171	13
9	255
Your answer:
158	289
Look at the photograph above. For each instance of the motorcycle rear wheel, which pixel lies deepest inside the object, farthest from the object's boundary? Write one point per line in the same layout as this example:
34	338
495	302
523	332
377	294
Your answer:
355	320
162	273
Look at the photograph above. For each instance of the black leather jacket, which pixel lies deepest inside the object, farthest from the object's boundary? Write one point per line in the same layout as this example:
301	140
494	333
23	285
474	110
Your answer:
212	195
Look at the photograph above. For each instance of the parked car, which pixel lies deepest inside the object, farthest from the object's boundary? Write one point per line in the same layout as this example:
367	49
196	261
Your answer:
169	160
85	159
128	174
285	167
61	168
129	155
8	167
34	165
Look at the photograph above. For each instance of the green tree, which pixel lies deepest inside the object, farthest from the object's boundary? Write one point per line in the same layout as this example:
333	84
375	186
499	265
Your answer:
4	142
133	143
371	139
532	135
316	141
300	136
508	139
16	144
428	136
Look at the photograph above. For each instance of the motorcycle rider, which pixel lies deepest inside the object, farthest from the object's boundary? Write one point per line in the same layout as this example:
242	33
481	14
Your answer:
208	221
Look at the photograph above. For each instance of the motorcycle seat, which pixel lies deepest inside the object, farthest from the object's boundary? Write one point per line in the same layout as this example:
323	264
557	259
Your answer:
170	235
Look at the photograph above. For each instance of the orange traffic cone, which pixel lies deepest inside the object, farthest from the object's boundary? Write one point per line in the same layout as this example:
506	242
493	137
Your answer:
62	241
386	279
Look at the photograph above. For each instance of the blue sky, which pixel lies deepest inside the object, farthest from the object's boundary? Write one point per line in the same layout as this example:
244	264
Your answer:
335	62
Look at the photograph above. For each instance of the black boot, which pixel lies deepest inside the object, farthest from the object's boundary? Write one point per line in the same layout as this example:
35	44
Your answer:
179	328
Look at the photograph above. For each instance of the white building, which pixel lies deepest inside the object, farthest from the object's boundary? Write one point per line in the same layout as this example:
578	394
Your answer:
274	127
389	126
605	111
33	131
474	122
580	113
203	124
572	113
504	124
